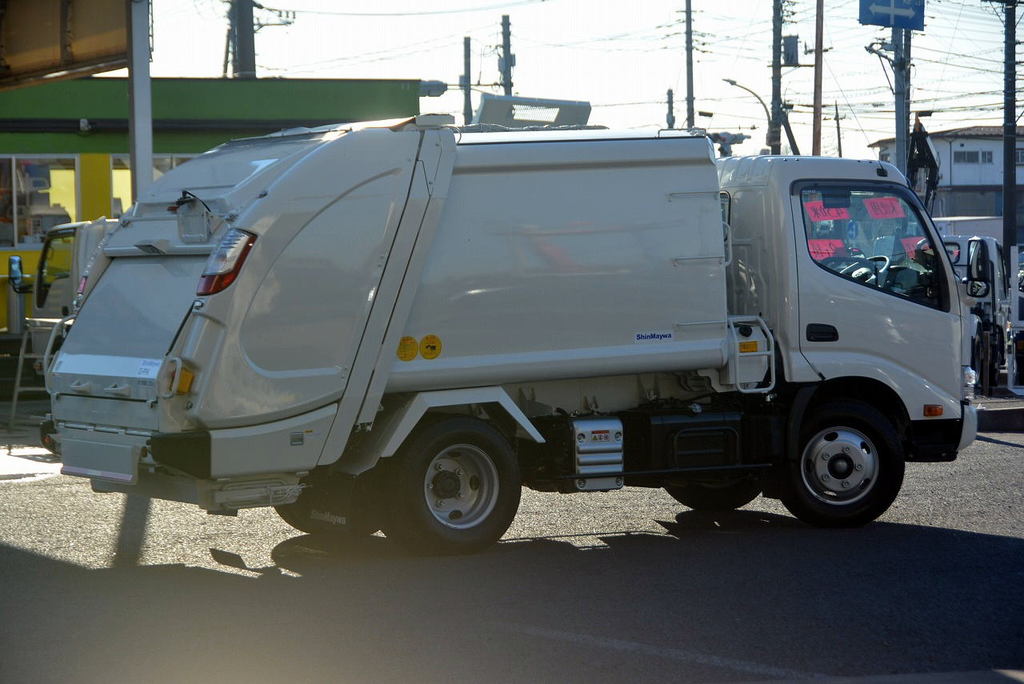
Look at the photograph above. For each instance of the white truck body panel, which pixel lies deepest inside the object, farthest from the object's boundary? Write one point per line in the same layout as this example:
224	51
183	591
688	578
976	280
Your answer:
985	226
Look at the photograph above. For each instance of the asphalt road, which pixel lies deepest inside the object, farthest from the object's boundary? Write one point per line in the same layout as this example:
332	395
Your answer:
615	587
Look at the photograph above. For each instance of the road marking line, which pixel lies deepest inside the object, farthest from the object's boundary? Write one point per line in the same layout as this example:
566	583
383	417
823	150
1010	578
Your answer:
663	652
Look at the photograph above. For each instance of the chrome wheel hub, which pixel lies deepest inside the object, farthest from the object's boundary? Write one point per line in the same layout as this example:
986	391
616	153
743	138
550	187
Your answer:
839	465
461	486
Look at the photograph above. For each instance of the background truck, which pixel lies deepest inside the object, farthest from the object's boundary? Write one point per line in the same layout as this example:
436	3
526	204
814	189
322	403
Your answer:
990	336
61	274
395	325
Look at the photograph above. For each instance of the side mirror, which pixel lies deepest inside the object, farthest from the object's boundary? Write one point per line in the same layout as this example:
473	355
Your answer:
979	265
978	289
15	276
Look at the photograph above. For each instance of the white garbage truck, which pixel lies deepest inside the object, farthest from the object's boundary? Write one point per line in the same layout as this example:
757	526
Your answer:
397	325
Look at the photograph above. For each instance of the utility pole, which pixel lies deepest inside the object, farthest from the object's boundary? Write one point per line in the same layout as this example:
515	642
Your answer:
507	60
1009	130
467	103
901	74
670	119
819	36
839	132
245	39
689	65
775	126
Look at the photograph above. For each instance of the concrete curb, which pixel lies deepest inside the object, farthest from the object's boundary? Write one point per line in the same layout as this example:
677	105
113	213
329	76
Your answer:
1001	420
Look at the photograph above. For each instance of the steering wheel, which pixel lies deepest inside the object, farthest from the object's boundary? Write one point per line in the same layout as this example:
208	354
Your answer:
883	270
868	274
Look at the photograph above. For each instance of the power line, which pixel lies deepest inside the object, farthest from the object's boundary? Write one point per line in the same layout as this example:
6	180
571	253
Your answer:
421	13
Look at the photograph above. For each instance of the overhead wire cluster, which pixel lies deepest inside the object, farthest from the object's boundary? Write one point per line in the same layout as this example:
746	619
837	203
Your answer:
960	85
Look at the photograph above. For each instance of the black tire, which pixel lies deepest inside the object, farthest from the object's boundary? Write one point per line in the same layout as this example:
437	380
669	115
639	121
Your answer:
342	507
453	487
849	467
715	497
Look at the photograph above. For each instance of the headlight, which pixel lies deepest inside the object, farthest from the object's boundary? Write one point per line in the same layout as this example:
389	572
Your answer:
970	380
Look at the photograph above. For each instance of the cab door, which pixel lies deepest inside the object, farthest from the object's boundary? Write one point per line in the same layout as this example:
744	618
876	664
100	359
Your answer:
877	298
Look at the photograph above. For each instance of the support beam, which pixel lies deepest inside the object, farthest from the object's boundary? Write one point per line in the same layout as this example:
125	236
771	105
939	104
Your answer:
140	93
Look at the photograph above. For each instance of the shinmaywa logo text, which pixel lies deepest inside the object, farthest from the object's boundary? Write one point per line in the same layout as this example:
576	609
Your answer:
652	336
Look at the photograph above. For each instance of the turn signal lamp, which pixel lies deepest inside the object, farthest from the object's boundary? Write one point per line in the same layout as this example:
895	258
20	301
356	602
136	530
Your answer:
932	410
184	380
224	265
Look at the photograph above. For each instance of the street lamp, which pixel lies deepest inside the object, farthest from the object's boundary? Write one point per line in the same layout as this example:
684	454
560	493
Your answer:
772	144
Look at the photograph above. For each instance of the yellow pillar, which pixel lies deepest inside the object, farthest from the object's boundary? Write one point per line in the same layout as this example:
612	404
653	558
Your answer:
94	185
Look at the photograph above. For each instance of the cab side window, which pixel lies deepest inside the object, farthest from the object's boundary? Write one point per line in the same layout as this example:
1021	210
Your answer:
873	237
56	263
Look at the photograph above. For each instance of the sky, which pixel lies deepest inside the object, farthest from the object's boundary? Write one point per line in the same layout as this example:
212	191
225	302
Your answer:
622	57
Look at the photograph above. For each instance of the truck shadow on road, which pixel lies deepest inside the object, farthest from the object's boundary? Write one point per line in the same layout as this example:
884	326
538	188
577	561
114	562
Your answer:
747	587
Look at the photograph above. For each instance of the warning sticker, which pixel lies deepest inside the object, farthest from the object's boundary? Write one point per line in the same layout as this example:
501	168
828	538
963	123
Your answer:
148	368
884	207
430	346
408	348
819	212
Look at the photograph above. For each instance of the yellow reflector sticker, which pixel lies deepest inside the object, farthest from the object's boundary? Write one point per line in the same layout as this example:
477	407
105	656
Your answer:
430	346
408	348
748	347
185	378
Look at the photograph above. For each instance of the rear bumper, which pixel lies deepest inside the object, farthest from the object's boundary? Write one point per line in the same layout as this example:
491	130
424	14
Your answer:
217	469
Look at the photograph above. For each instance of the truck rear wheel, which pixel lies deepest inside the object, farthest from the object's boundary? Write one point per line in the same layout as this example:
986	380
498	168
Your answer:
454	487
849	469
726	495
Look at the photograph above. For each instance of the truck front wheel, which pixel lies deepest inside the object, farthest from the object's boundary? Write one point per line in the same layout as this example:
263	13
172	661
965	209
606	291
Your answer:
454	487
849	468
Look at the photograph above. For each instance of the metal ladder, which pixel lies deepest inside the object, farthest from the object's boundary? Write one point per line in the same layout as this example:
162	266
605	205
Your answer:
24	354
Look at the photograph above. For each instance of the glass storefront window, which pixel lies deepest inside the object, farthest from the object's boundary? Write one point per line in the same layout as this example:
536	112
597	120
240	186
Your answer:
121	178
36	193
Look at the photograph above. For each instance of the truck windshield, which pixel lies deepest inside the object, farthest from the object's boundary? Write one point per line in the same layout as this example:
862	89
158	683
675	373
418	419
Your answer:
873	236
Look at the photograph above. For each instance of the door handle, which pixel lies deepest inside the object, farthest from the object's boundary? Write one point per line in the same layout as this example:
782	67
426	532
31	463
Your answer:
820	332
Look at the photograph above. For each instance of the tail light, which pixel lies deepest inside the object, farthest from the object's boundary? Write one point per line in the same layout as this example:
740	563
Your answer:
226	262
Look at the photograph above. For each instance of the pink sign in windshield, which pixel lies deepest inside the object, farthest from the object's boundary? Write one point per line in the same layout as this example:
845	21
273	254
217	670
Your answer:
819	212
884	207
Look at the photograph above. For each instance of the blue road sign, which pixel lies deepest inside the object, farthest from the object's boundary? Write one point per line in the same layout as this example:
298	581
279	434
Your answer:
904	14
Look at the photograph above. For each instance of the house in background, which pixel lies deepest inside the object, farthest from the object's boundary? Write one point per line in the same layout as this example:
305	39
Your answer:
970	171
